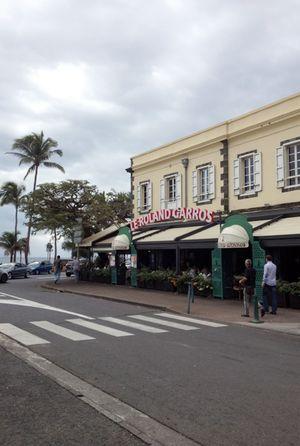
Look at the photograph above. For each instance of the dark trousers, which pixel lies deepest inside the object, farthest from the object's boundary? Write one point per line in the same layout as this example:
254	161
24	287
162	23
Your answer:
270	291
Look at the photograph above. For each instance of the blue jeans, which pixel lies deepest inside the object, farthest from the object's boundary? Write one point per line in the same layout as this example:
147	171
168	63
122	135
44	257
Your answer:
57	275
269	290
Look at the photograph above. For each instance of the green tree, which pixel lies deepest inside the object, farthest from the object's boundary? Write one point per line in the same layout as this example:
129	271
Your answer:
8	243
12	193
59	206
36	151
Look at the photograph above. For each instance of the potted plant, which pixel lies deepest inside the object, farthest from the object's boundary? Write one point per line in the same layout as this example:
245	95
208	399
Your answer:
294	295
202	285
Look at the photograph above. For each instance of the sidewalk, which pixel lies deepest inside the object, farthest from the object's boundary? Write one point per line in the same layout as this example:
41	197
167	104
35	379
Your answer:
229	311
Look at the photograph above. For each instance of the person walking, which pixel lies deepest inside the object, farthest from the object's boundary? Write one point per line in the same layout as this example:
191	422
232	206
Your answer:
269	286
248	282
57	269
76	269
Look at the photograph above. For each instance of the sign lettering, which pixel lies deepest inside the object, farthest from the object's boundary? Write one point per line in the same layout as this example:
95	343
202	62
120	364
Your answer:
169	214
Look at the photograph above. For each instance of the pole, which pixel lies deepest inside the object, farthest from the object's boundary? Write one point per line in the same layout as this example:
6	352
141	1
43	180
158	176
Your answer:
256	319
190	297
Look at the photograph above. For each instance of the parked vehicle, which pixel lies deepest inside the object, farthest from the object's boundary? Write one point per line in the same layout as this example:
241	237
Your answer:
3	276
15	270
40	267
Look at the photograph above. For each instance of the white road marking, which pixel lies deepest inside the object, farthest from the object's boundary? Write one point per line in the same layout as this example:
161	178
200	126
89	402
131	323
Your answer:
166	323
136	325
100	328
61	331
189	319
22	336
19	301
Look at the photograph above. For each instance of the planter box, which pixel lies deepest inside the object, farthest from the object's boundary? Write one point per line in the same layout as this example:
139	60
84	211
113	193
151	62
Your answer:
294	301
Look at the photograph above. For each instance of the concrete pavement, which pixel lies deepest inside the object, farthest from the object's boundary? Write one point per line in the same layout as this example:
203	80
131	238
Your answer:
229	311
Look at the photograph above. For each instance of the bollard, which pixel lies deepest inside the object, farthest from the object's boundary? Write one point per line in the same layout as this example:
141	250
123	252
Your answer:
190	296
256	319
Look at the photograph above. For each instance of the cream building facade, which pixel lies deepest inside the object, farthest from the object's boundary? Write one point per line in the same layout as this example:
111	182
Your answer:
249	163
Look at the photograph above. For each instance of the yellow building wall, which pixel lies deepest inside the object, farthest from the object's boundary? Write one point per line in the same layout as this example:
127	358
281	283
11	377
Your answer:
264	140
155	172
262	129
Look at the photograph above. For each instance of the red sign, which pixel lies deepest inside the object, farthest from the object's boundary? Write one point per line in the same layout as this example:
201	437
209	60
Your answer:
170	214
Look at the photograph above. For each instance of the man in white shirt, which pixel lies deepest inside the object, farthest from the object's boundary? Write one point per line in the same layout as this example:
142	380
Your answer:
269	285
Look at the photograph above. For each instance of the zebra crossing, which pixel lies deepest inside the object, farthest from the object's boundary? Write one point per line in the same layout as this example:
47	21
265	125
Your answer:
144	323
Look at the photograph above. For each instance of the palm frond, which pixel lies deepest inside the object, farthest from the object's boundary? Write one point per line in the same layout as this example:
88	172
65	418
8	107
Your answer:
30	170
54	166
57	151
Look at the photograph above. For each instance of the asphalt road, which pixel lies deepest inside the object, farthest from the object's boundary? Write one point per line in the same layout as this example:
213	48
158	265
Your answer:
229	385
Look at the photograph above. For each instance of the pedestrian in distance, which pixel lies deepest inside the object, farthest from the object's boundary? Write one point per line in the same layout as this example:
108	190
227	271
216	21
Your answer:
269	286
57	269
248	284
76	269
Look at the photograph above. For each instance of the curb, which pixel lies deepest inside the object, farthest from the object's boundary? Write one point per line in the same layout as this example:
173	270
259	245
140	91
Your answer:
111	299
162	308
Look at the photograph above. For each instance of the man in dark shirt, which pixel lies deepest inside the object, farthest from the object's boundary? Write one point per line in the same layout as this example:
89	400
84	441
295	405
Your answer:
248	282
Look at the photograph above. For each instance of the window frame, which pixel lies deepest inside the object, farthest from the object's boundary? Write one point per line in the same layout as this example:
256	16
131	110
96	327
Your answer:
203	197
286	169
242	158
146	206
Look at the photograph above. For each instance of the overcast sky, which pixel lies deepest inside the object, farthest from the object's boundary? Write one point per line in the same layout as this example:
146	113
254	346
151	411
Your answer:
111	78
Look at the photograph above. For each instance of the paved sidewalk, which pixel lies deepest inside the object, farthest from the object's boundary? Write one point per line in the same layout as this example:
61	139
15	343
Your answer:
229	311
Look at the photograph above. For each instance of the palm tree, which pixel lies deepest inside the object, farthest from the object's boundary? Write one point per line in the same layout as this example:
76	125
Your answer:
35	150
12	193
21	246
8	243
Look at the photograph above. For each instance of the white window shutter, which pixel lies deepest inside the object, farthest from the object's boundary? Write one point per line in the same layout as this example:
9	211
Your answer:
195	185
162	194
257	172
149	195
236	176
178	190
211	182
139	198
280	166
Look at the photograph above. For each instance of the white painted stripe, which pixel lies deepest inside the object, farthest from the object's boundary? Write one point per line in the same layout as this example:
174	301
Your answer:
61	331
30	303
190	319
166	323
20	335
100	328
136	325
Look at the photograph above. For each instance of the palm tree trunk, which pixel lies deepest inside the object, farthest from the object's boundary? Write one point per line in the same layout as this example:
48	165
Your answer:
16	233
27	248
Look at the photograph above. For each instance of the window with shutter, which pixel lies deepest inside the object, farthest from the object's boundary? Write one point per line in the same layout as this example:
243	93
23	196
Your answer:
195	186
144	196
162	194
257	172
178	190
139	198
247	174
288	165
211	182
236	176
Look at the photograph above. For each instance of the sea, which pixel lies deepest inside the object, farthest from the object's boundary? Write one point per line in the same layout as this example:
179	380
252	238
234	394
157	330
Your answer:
5	259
